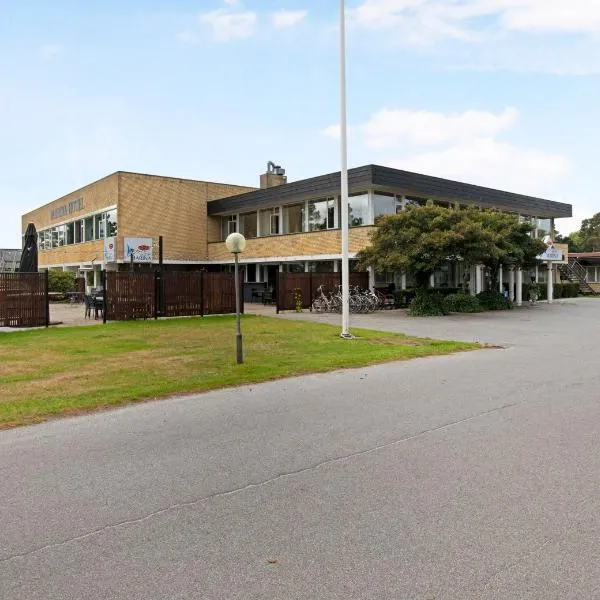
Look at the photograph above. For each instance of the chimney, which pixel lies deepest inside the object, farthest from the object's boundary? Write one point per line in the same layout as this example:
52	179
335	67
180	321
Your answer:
274	176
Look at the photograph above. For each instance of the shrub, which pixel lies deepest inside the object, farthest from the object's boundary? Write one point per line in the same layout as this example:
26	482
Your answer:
61	281
493	301
462	303
427	303
402	298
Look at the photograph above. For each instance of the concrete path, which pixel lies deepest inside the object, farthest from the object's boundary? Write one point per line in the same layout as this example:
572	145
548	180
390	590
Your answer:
474	476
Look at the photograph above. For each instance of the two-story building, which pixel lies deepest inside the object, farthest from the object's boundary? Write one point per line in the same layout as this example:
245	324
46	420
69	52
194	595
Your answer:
289	226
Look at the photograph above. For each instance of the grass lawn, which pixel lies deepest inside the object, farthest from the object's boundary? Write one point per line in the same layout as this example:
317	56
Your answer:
45	373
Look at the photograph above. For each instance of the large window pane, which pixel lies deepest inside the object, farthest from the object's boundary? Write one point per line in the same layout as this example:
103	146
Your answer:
89	229
99	228
111	223
269	222
228	225
78	231
383	204
321	214
358	210
248	223
70	233
293	218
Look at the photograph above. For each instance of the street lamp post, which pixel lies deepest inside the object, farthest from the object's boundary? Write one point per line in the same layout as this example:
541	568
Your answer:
236	243
344	177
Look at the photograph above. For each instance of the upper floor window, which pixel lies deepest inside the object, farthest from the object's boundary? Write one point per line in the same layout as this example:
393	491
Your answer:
228	225
293	218
321	214
383	204
270	221
358	210
248	224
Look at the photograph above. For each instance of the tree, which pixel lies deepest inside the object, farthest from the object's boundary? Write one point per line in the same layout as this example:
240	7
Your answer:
421	239
418	240
590	234
573	240
61	281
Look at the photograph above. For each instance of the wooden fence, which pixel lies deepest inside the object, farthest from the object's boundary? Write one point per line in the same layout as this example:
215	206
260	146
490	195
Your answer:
149	295
24	300
289	285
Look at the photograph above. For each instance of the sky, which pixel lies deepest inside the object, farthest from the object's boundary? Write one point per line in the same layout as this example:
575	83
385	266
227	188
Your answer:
501	93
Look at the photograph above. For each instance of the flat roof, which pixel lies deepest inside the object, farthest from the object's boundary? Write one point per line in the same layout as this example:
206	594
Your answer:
393	180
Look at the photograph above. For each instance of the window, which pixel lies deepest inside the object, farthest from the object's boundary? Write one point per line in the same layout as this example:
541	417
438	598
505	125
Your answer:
293	218
88	229
414	201
111	223
61	235
294	267
322	266
383	204
251	272
70	233
321	214
248	223
358	210
99	226
228	225
591	275
54	237
269	221
544	227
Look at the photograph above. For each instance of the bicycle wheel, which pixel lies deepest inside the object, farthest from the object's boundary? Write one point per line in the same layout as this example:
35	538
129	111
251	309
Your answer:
319	305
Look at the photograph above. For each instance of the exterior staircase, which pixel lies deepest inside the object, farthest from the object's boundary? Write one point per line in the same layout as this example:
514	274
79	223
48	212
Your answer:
575	272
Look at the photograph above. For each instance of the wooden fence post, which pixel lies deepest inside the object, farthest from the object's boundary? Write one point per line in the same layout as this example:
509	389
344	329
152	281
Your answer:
104	294
311	292
202	293
46	297
277	290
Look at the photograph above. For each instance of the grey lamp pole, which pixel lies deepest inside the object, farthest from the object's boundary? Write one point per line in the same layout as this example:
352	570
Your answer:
236	243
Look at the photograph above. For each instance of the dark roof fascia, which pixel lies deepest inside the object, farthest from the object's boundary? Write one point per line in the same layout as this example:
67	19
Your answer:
359	179
398	181
446	189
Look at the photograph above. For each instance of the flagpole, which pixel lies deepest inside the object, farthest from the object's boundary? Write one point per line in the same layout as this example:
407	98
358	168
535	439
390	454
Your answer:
344	177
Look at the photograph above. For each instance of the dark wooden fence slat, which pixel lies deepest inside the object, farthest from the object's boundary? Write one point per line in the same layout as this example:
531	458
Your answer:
24	300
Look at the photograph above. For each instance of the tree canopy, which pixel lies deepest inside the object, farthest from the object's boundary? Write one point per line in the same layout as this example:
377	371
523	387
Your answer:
587	239
421	239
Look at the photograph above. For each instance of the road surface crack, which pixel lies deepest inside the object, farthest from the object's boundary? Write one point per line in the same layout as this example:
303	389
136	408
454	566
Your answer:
250	486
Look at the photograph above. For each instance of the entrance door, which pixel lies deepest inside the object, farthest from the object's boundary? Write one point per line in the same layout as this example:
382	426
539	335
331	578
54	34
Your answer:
272	276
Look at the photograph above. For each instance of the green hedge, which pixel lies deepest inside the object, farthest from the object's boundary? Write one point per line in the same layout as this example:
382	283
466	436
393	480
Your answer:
463	303
427	303
61	281
493	301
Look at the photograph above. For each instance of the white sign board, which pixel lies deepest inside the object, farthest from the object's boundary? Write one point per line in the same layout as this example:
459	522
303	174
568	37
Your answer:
110	249
141	248
551	254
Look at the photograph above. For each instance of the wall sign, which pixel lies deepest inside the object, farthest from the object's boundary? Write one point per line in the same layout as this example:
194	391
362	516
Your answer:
141	248
67	209
551	254
110	249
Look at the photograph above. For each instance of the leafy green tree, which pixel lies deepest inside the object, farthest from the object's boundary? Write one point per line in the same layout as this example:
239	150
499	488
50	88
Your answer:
418	240
574	241
61	281
590	234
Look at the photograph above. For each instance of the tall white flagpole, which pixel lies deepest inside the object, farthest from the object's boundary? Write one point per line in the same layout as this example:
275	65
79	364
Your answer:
344	173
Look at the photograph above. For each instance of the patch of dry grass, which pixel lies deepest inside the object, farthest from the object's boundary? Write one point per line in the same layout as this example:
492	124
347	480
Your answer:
52	372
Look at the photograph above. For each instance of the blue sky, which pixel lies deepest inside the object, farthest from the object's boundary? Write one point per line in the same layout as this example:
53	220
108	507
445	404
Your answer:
501	93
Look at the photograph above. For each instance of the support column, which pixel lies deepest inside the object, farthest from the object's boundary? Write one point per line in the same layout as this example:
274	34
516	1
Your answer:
472	281
500	279
306	266
403	281
335	266
371	272
432	281
519	294
478	279
550	284
511	285
281	267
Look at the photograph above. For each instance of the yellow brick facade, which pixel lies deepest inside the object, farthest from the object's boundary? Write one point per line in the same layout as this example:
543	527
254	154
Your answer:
147	206
298	244
150	206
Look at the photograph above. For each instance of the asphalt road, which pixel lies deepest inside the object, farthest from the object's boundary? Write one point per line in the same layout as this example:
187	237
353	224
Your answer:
469	476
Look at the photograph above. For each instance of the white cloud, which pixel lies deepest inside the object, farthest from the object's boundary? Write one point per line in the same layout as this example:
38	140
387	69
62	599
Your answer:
288	18
425	21
465	147
390	128
230	23
50	51
491	163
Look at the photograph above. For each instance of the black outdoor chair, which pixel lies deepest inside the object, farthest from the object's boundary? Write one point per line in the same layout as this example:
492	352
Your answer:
88	306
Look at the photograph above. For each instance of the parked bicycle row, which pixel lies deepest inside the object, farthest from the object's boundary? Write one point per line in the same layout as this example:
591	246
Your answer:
360	301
